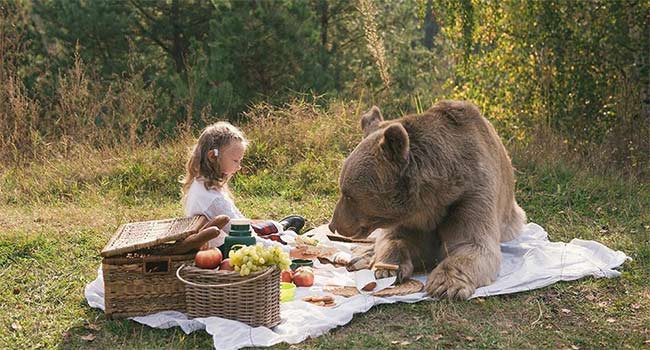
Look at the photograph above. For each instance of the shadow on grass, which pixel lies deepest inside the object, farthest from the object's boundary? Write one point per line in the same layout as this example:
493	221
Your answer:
94	330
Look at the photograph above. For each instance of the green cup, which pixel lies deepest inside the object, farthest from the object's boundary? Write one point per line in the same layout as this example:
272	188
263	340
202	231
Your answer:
296	263
287	291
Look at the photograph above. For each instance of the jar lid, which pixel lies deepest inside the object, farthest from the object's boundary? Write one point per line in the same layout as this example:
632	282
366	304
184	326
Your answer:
240	221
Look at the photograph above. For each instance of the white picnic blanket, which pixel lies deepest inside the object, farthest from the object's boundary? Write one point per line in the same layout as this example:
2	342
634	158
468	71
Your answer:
531	261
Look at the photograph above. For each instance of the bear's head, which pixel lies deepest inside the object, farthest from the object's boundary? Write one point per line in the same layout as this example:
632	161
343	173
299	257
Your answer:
374	189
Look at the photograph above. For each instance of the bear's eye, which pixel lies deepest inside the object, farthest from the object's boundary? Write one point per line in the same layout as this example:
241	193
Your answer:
347	198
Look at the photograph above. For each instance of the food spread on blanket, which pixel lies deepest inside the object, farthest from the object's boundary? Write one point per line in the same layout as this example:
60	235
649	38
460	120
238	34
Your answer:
304	250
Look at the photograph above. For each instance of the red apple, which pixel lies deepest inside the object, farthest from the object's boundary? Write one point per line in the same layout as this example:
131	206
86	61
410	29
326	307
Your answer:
286	276
225	265
208	259
303	277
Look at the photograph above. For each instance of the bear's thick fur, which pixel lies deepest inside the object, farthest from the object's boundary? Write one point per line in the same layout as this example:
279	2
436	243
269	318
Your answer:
441	187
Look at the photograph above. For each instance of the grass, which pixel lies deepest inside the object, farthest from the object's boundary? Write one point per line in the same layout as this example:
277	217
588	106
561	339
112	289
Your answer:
56	217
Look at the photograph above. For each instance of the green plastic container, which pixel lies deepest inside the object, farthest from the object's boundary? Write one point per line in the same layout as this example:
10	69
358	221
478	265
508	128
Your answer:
296	263
240	234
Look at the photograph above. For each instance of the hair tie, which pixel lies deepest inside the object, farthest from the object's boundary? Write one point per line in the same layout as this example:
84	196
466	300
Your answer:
216	152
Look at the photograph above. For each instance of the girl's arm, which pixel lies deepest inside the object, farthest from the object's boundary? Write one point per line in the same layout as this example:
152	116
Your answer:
221	205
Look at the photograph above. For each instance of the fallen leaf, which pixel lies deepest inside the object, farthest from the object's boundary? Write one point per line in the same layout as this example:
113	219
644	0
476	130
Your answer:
16	291
468	338
647	342
602	304
437	337
479	300
94	327
400	342
635	306
66	336
15	326
590	297
566	311
503	332
611	320
574	347
418	337
88	337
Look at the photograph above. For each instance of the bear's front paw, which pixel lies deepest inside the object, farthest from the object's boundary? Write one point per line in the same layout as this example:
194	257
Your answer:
402	271
448	281
359	263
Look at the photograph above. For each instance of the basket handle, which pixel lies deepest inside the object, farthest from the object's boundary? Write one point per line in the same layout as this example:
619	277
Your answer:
178	275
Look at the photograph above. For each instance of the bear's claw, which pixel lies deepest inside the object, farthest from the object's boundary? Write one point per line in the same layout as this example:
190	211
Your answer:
449	282
403	273
359	263
386	273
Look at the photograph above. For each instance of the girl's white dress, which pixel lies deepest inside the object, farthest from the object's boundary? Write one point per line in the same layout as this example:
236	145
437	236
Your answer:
211	203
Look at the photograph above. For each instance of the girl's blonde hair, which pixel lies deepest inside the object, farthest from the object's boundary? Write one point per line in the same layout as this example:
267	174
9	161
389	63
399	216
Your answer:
214	136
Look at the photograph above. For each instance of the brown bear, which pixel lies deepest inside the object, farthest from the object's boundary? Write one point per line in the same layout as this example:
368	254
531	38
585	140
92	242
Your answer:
440	185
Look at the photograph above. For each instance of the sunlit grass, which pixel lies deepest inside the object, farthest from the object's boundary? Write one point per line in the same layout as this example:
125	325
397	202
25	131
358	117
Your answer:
57	216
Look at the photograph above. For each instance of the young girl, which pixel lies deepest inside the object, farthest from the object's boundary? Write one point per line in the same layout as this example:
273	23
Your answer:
216	157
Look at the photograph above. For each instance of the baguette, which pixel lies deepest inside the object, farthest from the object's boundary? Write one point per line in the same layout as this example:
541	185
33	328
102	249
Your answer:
194	241
218	221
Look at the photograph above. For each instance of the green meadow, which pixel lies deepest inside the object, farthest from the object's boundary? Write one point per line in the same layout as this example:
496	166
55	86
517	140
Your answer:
100	102
58	215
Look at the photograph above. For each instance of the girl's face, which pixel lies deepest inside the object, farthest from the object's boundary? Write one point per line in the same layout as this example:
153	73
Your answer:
230	157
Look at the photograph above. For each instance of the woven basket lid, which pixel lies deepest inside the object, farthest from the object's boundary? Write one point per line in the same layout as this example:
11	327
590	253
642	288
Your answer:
146	234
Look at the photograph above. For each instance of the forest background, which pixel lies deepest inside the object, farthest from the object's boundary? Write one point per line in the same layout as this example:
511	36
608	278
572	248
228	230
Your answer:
101	73
100	102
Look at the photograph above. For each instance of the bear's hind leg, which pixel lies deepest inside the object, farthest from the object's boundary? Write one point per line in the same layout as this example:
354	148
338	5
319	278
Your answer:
513	223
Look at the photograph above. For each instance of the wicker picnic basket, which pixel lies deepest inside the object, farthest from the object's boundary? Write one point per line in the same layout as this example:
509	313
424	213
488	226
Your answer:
252	299
138	278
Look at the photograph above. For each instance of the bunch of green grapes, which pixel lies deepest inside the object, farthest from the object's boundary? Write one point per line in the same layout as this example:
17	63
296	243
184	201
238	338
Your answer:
258	257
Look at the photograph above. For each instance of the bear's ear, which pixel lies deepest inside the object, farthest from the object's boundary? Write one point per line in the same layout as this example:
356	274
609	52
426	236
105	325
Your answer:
370	120
395	143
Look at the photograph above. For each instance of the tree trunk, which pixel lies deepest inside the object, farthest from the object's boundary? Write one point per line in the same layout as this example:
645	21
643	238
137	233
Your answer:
178	47
324	21
431	27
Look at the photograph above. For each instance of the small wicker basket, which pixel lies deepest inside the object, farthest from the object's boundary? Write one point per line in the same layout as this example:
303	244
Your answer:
138	279
252	299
